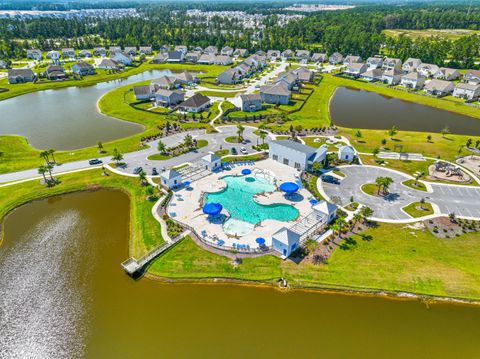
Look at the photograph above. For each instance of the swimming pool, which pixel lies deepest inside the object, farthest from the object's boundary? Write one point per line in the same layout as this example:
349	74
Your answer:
245	213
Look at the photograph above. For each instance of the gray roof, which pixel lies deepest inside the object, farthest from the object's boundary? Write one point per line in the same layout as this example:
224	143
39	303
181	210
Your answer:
251	97
325	207
175	55
286	236
296	146
196	100
141	90
211	157
276	89
413	76
467	86
20	72
170	174
84	65
438	85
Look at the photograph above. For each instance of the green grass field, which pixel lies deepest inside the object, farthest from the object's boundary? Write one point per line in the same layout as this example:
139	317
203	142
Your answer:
444	34
387	258
418	210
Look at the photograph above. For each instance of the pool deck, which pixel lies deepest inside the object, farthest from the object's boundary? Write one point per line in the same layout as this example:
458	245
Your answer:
189	210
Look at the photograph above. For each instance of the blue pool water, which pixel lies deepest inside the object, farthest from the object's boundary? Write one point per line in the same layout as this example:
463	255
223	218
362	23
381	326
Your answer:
237	199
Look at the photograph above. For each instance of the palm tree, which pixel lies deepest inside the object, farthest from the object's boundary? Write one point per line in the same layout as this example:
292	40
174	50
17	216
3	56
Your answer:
357	216
393	131
42	170
161	147
142	176
418	175
51	152
379	181
340	222
387	181
240	130
366	212
263	134
117	156
445	131
100	147
375	152
44	155
188	141
49	168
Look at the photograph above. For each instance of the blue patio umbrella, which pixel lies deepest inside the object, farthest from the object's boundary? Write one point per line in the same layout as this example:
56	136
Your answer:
289	187
212	209
313	201
186	183
246	171
260	241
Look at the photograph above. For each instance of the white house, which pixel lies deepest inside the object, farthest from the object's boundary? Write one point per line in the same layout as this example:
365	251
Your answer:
439	87
346	153
445	73
171	178
285	241
211	162
122	58
428	70
392	77
467	91
326	208
372	75
411	64
356	68
413	80
390	63
374	62
296	155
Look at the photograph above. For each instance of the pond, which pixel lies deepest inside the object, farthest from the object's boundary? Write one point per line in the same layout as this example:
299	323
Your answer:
355	108
64	295
68	118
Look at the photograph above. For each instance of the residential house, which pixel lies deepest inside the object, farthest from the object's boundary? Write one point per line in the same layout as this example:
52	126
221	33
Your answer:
411	64
244	69
206	59
445	73
211	162
302	55
356	69
142	93
99	51
372	75
289	79
285	241
319	57
110	64
159	58
112	50
287	54
251	103
164	82
392	76
198	49
229	76
335	58
296	154
17	76
277	93
54	56
439	87
130	50
261	53
303	74
390	63
472	77
223	60
186	78
256	61
226	51
171	178
240	53
55	72
34	54
211	50
351	59
375	62
273	55
326	208
145	50
85	53
467	91
197	103
83	68
181	48
346	153
176	56
413	80
192	57
123	58
68	53
168	98
427	70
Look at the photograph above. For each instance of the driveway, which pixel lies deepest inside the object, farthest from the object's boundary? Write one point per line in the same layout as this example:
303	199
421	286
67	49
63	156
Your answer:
463	201
216	141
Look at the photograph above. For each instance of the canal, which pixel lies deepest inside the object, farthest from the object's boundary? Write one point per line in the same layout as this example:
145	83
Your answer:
64	295
355	108
68	118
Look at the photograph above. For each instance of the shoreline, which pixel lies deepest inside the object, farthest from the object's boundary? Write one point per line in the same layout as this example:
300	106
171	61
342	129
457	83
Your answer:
359	292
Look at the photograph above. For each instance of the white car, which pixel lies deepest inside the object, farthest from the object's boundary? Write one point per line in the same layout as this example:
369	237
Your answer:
243	150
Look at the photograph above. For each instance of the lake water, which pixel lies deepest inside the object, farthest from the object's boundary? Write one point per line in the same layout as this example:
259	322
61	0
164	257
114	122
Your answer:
355	108
64	295
68	118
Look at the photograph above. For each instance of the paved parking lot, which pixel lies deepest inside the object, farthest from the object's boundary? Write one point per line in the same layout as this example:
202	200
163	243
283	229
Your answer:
462	200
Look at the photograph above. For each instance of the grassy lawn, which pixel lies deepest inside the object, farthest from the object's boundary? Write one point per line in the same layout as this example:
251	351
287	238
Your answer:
447	34
389	257
232	139
417	209
145	230
415	185
409	167
256	157
221	153
219	94
371	189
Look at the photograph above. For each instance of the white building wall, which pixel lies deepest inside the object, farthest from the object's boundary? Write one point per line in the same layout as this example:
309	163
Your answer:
281	153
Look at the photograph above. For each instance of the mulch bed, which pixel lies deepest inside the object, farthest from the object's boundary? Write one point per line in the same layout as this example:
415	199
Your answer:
443	227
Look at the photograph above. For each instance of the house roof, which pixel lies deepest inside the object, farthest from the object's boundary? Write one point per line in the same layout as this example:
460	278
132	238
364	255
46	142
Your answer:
170	174
467	86
175	55
109	63
393	72
141	90
84	65
438	85
251	97
413	76
167	93
356	65
296	146
54	68
211	157
206	57
412	62
211	49
20	72
223	59
325	207
346	149
353	58
286	236
164	80
447	71
319	154
472	73
186	76
196	100
374	59
373	73
278	88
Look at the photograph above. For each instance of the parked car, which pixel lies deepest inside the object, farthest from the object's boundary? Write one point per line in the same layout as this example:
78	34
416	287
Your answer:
154	171
243	150
95	161
233	150
137	170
